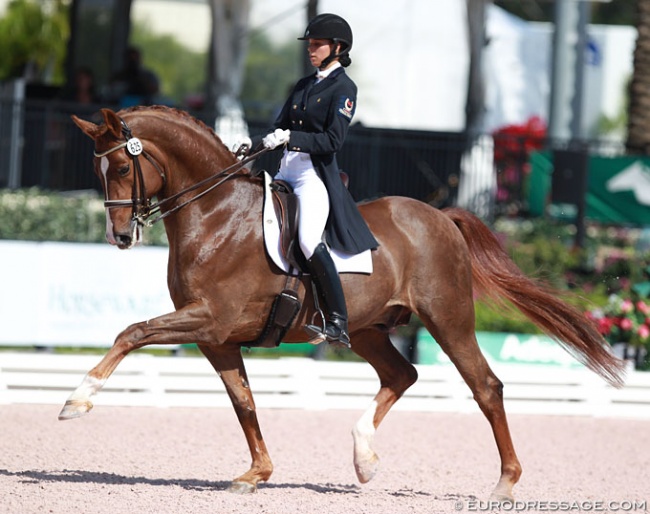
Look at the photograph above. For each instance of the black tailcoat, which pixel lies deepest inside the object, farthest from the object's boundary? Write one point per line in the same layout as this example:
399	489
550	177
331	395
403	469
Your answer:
318	116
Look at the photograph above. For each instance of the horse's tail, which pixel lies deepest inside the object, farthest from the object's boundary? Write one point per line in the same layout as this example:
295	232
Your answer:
497	277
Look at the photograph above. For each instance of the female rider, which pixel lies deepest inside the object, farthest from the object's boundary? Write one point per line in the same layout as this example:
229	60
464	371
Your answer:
313	124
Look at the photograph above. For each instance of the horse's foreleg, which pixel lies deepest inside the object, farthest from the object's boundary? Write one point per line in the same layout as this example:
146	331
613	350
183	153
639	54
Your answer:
396	375
229	365
183	326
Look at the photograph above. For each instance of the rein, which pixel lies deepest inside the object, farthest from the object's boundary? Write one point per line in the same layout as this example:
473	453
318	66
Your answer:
225	174
142	207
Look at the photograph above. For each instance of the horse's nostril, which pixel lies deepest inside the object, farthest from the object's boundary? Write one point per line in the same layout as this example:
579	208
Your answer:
123	240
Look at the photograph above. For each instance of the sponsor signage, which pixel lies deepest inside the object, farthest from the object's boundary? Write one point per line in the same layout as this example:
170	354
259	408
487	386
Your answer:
504	348
78	294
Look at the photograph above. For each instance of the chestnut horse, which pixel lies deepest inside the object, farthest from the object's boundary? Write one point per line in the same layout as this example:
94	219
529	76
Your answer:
429	263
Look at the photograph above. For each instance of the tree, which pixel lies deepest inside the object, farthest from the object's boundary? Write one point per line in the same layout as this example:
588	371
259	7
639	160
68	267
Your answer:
638	128
270	71
33	36
182	71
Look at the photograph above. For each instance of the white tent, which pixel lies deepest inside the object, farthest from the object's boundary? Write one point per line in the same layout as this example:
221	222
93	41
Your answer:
410	61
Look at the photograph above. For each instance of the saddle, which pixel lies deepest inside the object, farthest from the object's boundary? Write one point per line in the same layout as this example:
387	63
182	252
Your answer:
285	204
286	305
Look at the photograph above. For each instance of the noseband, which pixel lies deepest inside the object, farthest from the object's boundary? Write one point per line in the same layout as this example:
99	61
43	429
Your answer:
142	208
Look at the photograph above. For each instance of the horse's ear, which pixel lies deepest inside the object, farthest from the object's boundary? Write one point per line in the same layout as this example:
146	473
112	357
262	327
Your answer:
113	123
87	127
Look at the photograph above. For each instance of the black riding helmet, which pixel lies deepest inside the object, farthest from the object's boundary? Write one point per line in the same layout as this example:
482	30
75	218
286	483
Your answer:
331	26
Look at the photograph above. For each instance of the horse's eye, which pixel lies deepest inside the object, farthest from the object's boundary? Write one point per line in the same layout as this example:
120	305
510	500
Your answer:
124	170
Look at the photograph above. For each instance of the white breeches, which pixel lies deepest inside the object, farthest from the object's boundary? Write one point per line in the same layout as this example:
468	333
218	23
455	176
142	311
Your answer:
297	169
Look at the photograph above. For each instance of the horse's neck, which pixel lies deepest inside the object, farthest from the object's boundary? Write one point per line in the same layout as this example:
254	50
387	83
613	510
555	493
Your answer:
193	154
216	216
189	166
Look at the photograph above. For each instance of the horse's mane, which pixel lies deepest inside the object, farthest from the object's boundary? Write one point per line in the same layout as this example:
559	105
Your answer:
173	111
185	116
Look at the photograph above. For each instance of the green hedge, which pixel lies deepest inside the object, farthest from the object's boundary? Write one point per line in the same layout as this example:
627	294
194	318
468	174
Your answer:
36	215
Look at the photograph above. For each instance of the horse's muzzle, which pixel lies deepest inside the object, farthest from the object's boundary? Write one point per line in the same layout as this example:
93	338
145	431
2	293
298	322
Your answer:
125	240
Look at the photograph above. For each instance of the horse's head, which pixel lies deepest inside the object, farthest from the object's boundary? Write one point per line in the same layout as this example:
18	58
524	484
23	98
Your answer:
128	174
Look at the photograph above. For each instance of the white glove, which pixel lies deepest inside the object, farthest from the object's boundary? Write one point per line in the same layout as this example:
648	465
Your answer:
242	146
277	138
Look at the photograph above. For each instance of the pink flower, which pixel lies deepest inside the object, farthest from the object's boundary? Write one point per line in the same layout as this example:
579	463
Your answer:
625	324
627	306
642	307
604	326
644	332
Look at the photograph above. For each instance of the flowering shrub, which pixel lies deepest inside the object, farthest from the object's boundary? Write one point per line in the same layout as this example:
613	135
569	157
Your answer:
623	320
512	147
512	142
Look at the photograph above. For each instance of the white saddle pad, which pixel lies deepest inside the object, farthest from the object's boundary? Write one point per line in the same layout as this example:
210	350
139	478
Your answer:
345	262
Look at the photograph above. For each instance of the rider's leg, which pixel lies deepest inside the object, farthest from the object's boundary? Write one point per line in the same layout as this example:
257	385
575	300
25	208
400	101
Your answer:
328	283
314	210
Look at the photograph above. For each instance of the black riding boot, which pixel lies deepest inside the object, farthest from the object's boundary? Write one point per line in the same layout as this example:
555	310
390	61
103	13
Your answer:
324	274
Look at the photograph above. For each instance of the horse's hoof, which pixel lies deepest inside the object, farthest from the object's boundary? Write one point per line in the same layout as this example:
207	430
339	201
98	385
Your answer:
367	470
75	409
242	488
502	497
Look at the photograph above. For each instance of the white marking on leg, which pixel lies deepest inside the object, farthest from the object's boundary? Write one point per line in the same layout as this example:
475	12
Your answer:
103	167
88	388
366	461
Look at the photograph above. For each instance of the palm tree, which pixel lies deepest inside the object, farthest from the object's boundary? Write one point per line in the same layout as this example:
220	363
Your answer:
638	129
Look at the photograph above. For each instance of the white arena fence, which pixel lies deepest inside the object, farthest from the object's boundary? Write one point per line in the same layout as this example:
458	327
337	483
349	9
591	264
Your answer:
303	383
83	295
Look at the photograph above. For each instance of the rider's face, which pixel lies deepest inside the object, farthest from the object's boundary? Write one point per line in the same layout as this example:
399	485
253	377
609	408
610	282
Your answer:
319	50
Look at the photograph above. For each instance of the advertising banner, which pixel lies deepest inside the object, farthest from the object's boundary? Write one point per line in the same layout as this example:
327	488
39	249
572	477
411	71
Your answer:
618	188
504	348
78	294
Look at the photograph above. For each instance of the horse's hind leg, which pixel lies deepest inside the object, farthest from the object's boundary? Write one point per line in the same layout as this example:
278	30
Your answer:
229	365
458	341
396	375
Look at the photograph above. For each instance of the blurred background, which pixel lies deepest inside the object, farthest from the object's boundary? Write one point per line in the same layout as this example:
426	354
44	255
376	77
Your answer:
532	114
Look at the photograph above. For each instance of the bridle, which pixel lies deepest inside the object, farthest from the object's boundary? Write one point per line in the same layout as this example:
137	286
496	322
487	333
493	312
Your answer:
142	208
139	201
